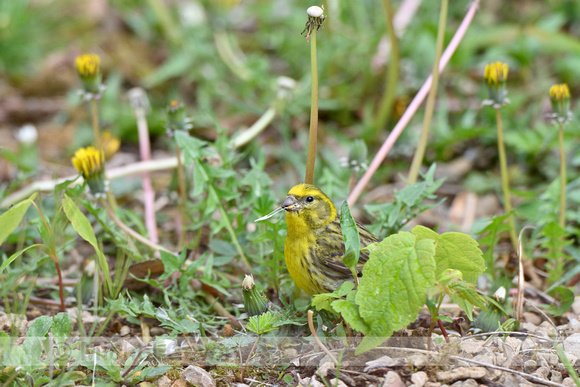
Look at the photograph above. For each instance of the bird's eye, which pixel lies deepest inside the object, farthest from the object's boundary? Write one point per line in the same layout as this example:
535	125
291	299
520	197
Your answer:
309	199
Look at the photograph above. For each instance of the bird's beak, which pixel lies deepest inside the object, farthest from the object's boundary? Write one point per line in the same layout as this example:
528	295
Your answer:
291	204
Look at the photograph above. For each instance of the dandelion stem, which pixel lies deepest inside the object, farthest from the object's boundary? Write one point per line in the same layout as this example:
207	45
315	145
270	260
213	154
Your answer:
128	230
96	129
388	99
313	134
562	218
420	151
412	108
145	152
505	185
182	196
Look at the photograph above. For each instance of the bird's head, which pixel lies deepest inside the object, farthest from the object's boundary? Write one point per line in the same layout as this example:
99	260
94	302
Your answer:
307	203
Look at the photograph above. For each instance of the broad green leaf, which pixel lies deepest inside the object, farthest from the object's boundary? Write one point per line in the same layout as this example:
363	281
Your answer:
11	218
324	300
349	310
456	251
351	238
6	263
83	227
394	283
39	327
33	343
61	325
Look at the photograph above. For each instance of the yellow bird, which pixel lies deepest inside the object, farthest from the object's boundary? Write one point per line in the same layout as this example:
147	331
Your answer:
314	245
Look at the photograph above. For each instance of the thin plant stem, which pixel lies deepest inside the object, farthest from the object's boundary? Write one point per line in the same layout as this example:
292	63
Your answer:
430	107
562	218
148	192
230	229
248	359
249	134
95	119
53	256
182	196
317	339
128	230
126	170
412	108
313	134
505	184
388	99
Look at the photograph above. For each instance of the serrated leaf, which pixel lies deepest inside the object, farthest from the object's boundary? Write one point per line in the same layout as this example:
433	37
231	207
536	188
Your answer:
394	283
351	314
323	300
12	218
351	238
456	251
191	146
263	323
171	263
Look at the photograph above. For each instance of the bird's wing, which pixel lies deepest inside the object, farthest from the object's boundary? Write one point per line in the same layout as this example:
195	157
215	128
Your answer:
331	250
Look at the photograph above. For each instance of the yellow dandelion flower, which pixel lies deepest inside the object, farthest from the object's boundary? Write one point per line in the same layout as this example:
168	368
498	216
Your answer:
495	77
89	70
560	100
90	163
496	73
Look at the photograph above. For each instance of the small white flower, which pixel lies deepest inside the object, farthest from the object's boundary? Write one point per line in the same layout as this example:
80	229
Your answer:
27	135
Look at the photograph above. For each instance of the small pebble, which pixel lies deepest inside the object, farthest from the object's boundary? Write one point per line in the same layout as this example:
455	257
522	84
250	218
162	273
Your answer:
572	345
461	373
392	379
419	378
163	381
533	318
198	376
125	330
530	366
542	372
556	377
551	358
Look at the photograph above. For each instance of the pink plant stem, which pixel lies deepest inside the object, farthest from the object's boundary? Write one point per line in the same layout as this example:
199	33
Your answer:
413	106
148	193
139	102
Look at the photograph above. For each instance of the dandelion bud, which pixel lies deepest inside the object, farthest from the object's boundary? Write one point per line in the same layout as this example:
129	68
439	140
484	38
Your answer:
89	69
495	79
90	163
560	100
176	118
255	302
